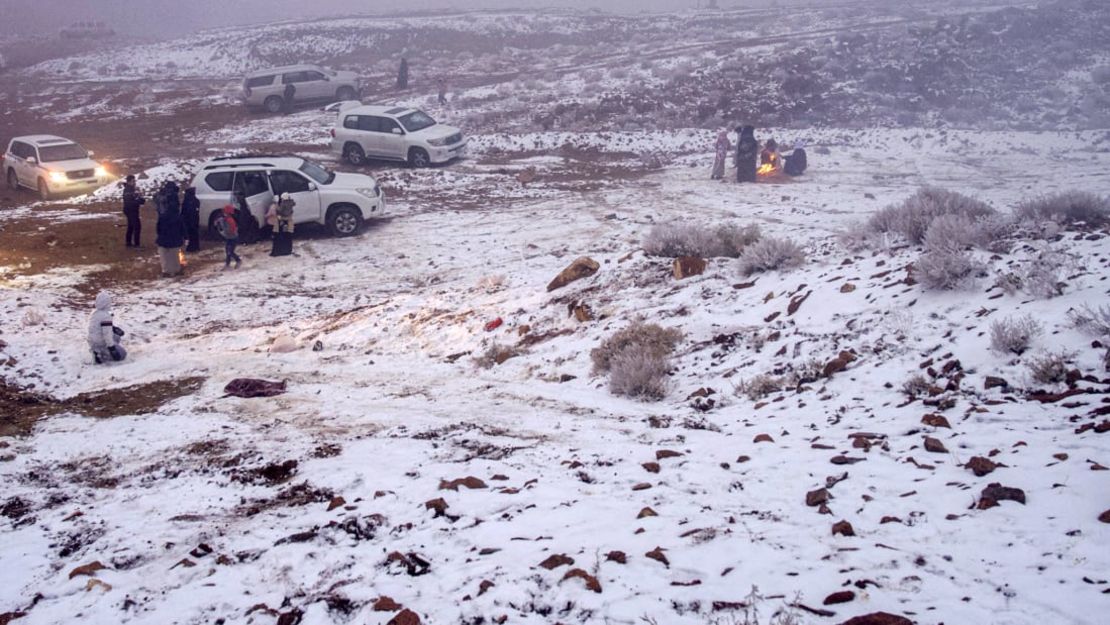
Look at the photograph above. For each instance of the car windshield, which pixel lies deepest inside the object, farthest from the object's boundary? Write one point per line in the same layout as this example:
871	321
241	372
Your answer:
417	121
317	172
66	152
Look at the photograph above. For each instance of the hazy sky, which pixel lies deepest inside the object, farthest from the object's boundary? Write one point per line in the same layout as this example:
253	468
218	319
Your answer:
164	16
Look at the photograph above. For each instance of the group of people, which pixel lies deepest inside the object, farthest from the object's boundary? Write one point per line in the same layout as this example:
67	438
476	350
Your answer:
751	159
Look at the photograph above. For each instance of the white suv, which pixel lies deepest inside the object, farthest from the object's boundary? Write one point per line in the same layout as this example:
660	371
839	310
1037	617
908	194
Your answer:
396	134
339	201
52	166
312	83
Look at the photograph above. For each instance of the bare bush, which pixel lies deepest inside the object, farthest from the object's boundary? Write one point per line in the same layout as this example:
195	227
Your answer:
946	270
1094	321
1049	367
770	254
1043	276
960	231
640	372
760	386
1014	335
1070	208
495	355
912	218
657	339
733	239
674	240
916	386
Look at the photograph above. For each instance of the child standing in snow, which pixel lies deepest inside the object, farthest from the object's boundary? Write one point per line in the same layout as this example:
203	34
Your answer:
229	230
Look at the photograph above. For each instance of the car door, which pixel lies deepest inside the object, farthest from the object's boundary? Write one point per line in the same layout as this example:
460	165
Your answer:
391	139
316	85
368	134
304	192
22	151
297	80
256	185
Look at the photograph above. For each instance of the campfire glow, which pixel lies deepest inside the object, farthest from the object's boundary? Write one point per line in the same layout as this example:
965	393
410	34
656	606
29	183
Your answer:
766	169
181	258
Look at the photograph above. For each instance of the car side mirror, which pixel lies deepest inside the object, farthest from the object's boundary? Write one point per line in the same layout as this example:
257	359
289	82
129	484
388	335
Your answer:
32	160
91	154
312	186
398	131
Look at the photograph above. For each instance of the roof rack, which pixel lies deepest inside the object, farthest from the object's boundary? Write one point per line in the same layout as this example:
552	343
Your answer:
241	156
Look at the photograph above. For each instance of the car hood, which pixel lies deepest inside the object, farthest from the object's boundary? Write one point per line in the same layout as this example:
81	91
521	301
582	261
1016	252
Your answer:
76	164
345	76
439	131
351	181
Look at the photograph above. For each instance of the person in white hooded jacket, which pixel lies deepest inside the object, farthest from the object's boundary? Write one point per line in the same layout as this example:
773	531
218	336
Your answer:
104	336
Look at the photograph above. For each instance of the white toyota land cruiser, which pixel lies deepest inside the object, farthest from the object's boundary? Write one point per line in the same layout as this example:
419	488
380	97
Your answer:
396	134
52	166
340	201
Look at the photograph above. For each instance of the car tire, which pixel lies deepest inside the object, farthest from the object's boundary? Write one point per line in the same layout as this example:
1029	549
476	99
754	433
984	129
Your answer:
44	190
344	221
13	180
345	93
418	158
274	104
353	154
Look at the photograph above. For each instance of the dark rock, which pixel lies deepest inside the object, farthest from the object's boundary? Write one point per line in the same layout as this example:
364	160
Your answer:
993	382
658	555
843	596
386	604
934	446
591	581
763	438
996	492
845	460
617	556
817	497
843	528
405	617
981	466
936	421
878	618
687	266
583	267
555	561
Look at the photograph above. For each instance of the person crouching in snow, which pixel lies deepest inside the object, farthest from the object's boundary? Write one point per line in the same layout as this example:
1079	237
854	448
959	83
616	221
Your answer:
229	230
723	147
280	218
104	336
770	156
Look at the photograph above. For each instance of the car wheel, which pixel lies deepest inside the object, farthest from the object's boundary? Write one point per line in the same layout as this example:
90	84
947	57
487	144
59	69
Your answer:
274	104
345	93
44	190
13	180
353	154
344	221
419	158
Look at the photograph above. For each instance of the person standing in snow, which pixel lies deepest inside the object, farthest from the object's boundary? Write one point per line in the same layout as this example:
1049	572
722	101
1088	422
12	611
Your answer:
723	146
104	336
442	88
190	215
287	98
132	202
248	226
280	218
171	230
403	75
747	150
229	230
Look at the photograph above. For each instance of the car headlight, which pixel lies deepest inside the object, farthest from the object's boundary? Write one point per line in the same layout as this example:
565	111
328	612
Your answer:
372	192
101	172
57	176
438	142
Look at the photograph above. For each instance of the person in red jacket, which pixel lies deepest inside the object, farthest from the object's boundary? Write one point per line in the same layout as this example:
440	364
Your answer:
229	230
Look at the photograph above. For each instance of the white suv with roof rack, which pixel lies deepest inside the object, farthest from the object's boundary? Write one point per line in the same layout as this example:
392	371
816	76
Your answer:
396	134
52	166
340	201
266	88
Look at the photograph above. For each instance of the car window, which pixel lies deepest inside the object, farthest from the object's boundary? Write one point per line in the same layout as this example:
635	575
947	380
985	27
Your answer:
310	76
369	123
18	149
251	182
287	182
417	120
317	172
388	125
219	181
260	81
351	122
292	77
64	152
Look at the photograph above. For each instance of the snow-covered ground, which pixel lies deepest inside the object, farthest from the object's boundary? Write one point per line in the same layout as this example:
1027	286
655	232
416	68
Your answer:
391	408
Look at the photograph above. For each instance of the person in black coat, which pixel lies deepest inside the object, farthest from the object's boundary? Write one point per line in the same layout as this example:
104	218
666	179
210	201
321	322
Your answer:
190	215
796	161
170	229
132	202
287	98
747	150
248	224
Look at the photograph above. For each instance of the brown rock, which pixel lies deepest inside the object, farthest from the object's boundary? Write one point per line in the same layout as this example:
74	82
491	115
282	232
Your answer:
439	505
686	266
817	497
1061	456
336	502
980	466
936	421
642	486
845	460
838	364
666	453
484	586
89	569
658	555
843	596
617	556
847	287
843	528
878	618
555	561
996	492
935	446
583	267
386	604
651	467
993	382
1104	517
591	581
405	617
890	519
469	482
763	438
582	313
743	459
646	512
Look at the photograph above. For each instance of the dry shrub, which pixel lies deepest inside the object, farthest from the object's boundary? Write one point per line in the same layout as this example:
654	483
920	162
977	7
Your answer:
912	218
1067	208
675	239
770	254
916	386
760	386
959	231
495	355
658	339
946	269
1014	335
1094	321
1043	276
639	372
1049	367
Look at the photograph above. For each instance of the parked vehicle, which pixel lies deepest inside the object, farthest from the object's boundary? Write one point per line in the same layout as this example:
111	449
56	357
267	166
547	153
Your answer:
52	166
313	84
396	134
340	201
